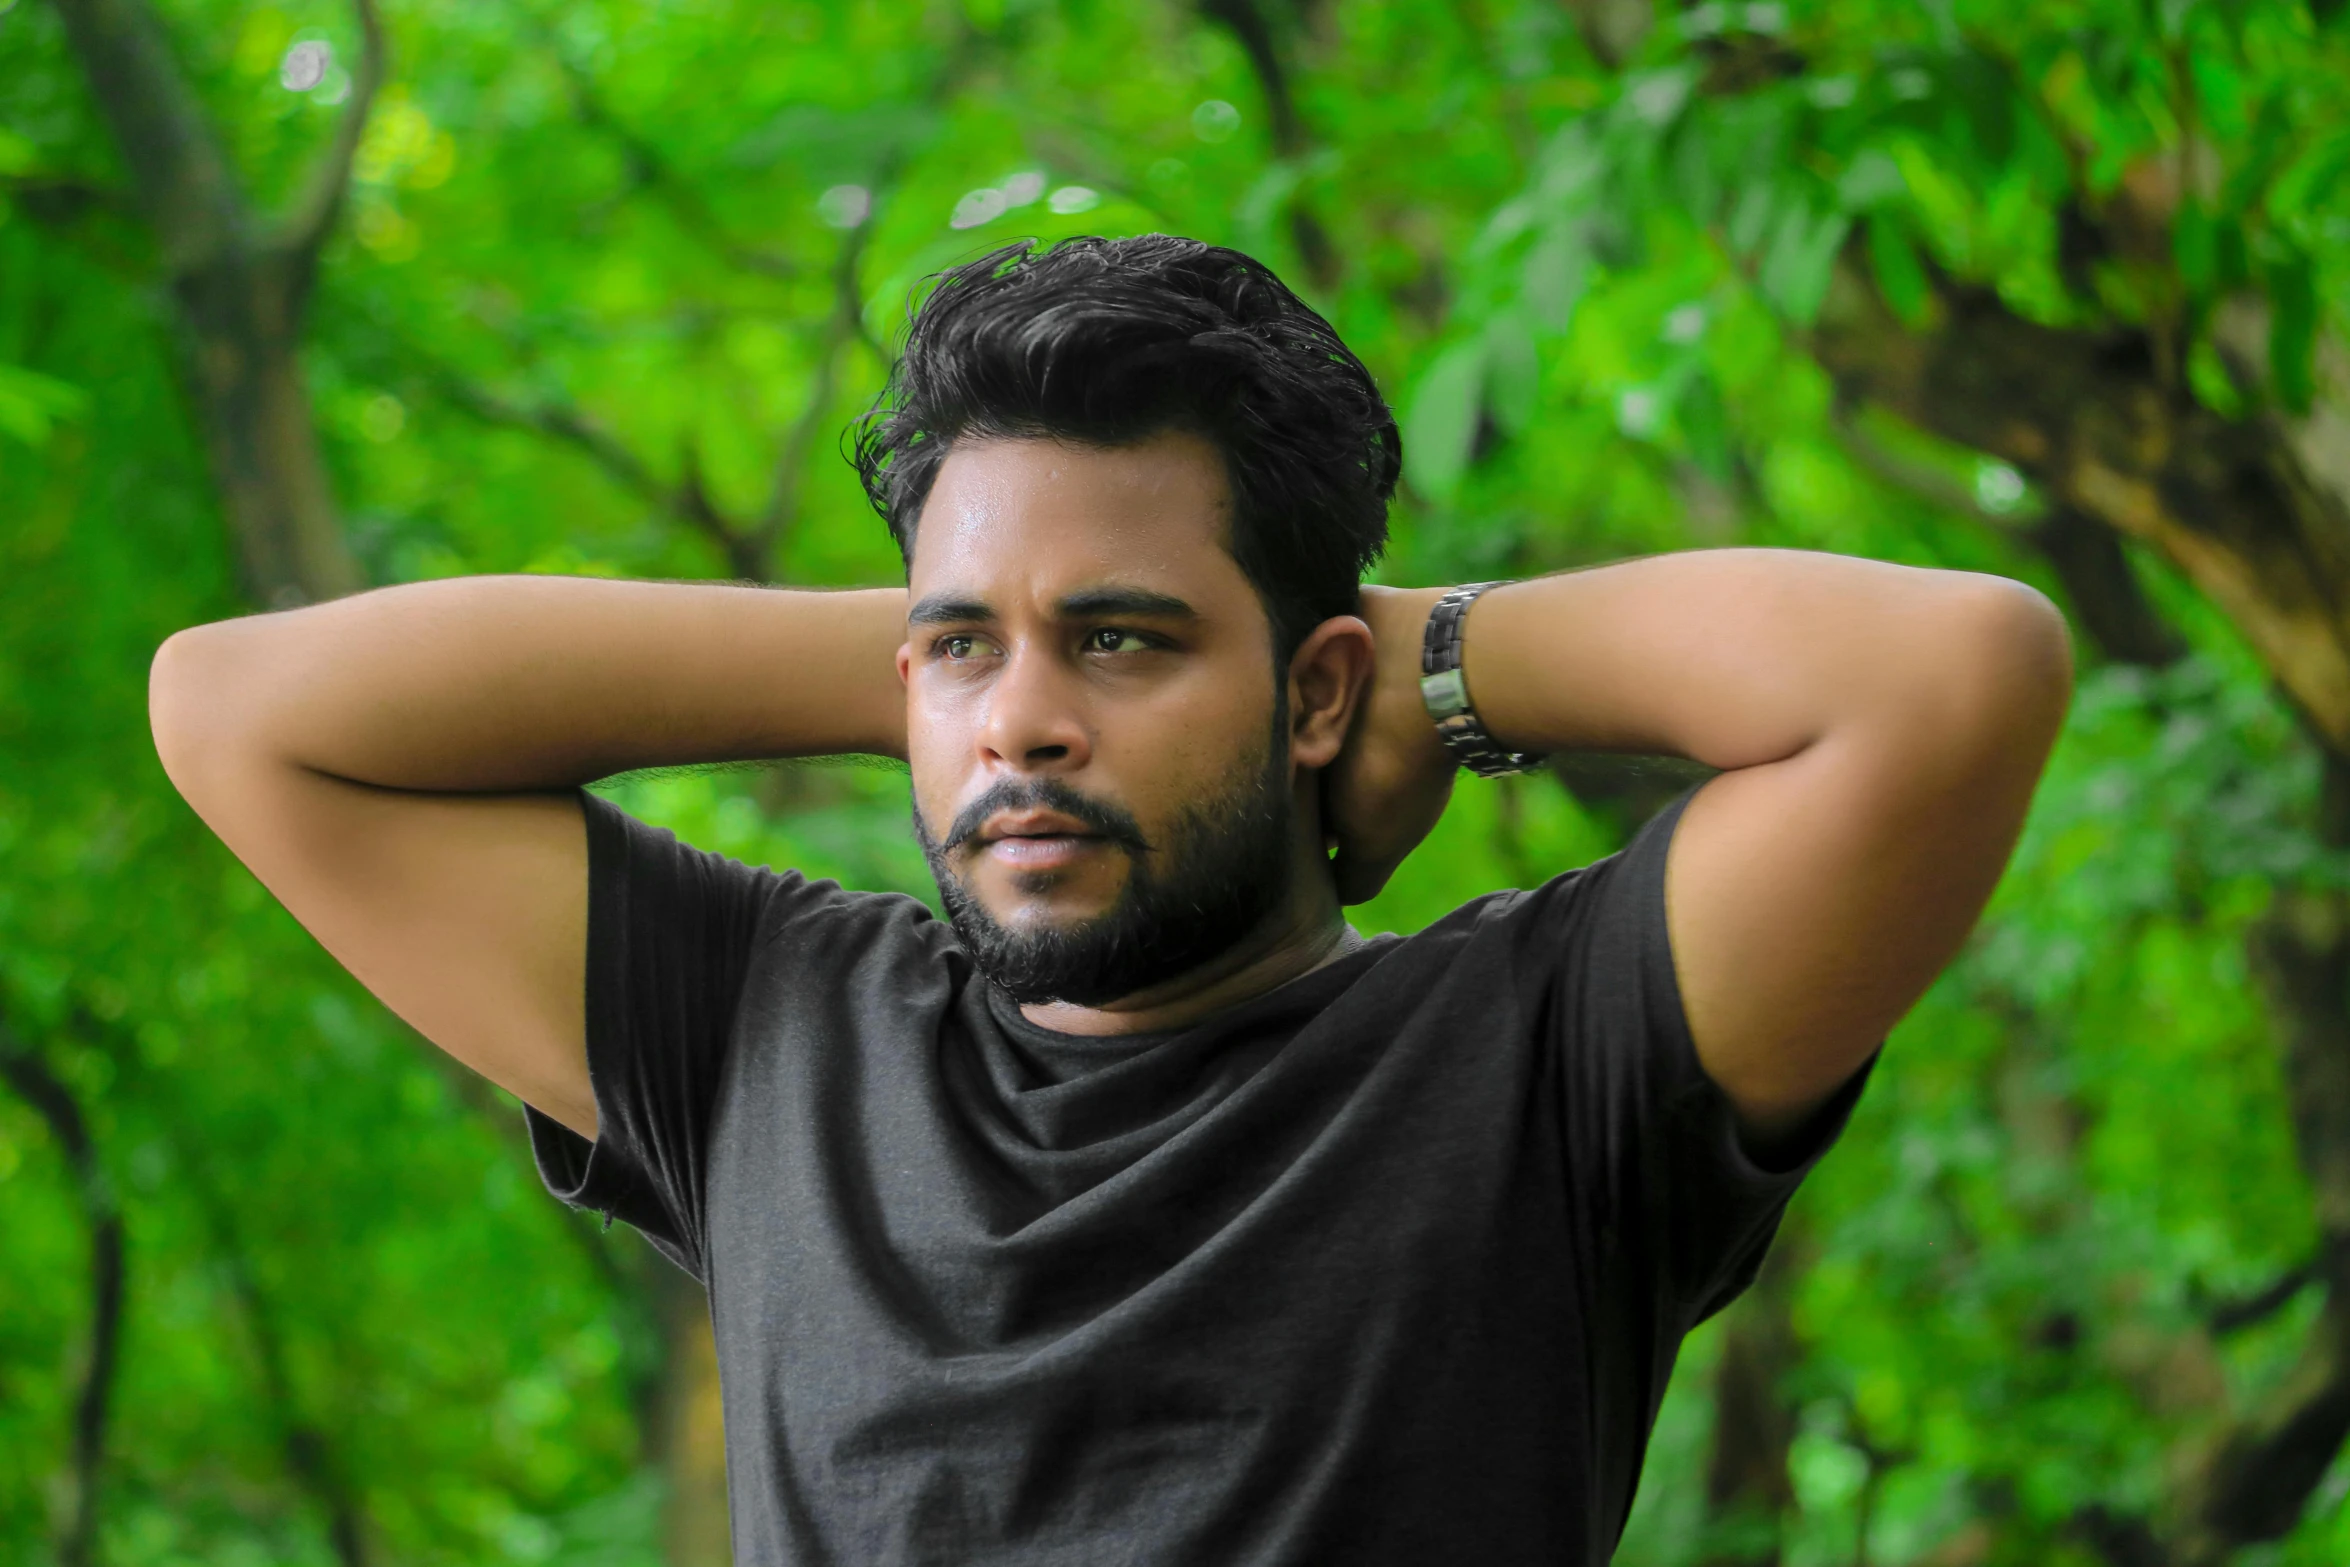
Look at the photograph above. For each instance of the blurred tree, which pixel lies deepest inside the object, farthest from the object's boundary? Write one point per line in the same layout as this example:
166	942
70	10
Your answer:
241	285
2041	289
2083	250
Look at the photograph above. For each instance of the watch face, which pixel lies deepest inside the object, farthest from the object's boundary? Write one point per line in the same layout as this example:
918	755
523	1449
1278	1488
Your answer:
1446	694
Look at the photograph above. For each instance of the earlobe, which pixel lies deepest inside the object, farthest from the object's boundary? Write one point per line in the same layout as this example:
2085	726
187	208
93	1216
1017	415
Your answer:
1328	676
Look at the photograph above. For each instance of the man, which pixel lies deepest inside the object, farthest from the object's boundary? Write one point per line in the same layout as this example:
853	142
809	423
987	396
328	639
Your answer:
1145	1212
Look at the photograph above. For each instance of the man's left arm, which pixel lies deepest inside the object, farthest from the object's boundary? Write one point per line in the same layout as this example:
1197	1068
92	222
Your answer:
1879	728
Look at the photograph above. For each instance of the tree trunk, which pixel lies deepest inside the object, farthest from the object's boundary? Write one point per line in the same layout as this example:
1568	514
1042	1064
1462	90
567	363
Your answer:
1747	1489
239	286
240	346
692	1427
30	1078
2086	414
2257	515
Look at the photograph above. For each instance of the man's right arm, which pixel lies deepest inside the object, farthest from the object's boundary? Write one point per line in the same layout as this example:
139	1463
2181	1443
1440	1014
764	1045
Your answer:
396	767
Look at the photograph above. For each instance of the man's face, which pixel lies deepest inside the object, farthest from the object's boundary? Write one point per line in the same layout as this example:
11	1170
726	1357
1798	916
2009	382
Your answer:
1100	775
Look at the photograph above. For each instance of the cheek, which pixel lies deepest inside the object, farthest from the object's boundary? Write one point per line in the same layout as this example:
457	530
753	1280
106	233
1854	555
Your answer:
1167	762
933	749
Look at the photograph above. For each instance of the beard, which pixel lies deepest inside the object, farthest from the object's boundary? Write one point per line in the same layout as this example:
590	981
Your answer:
1223	866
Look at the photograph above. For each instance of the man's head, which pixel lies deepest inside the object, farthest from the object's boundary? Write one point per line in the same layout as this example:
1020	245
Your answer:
1136	483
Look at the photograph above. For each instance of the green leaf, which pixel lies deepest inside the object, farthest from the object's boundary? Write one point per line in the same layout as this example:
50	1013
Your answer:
1900	276
32	404
1981	86
1657	97
2275	134
2292	332
1558	268
2310	181
17	155
1704	421
2210	249
1794	274
1513	372
2230	259
1440	426
1870	180
2194	243
1750	218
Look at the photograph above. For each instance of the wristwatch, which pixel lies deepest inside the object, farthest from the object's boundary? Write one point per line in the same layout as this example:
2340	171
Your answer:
1446	691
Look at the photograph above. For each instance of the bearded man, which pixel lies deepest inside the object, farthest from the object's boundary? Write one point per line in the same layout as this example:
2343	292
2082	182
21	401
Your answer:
1143	1211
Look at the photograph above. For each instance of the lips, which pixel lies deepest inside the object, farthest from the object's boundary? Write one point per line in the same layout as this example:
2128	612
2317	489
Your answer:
1032	824
1027	815
1036	840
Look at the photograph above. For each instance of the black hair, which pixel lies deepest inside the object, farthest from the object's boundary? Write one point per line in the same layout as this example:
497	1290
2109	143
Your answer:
1106	342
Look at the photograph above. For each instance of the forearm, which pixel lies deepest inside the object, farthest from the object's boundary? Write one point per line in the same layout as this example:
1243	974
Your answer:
517	683
1879	728
1741	657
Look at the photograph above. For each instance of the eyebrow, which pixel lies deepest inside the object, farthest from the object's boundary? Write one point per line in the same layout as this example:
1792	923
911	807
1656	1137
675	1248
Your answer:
1126	601
941	610
938	611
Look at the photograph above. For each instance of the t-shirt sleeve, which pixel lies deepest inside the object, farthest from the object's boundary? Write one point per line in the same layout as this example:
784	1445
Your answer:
671	934
1677	1211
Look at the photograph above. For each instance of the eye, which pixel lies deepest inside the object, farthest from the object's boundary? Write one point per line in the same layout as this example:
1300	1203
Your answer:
1114	639
960	645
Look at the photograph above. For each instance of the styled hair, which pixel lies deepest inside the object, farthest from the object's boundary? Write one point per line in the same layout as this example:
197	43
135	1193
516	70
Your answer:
1107	342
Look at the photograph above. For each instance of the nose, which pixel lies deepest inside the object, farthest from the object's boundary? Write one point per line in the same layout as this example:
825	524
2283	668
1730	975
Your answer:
1035	720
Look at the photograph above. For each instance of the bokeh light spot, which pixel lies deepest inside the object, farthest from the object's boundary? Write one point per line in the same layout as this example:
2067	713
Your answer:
305	64
844	206
983	205
1215	120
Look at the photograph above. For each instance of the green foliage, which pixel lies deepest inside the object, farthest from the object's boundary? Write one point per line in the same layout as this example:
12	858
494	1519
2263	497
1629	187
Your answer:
1587	289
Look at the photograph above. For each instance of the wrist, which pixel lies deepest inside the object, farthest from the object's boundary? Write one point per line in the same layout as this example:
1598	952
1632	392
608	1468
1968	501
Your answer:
1444	688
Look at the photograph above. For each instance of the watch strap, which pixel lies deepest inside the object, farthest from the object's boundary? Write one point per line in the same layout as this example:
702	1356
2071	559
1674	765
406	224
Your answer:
1445	690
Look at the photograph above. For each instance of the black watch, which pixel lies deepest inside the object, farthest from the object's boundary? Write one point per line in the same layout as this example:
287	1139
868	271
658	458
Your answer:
1446	691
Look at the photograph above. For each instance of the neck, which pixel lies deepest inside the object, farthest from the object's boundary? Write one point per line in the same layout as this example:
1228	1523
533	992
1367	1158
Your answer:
1306	932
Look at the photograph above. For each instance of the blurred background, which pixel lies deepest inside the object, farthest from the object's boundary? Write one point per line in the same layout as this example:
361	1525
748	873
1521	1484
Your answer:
298	296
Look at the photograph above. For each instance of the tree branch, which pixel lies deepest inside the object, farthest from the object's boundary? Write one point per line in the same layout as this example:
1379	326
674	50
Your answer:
1923	480
745	554
650	168
1612	29
2084	414
2237	1313
1252	28
2258	1479
310	1455
2088	414
56	200
185	185
2103	588
559	421
303	230
688	500
32	1081
844	325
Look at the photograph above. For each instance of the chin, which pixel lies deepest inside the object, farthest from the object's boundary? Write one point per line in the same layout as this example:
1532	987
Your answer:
1026	912
1030	900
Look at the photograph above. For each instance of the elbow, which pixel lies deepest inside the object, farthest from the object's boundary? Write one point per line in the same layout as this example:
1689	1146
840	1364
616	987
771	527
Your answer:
2006	658
2028	648
191	711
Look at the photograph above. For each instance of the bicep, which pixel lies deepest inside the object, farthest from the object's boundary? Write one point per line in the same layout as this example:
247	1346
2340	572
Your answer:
465	914
1812	900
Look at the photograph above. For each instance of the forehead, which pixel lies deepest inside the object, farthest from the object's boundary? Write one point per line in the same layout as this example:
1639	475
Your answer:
1032	518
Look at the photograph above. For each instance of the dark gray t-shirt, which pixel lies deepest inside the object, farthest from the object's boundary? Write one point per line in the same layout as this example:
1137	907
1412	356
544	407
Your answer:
1388	1265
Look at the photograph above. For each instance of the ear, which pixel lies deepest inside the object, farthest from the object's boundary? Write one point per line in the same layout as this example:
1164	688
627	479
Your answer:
905	660
1327	678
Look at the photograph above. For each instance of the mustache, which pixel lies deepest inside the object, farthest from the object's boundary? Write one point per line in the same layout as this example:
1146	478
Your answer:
1050	794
